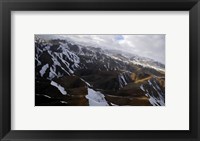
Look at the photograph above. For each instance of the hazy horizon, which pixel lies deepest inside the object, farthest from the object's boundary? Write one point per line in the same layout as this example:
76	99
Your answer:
146	45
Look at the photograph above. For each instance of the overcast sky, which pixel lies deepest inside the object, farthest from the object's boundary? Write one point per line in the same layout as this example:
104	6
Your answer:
151	46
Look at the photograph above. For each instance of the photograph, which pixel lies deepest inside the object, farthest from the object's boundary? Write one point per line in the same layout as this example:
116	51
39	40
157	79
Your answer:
99	69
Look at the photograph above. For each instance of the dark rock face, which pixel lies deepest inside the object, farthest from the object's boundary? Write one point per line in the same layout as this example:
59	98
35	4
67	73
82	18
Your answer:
69	74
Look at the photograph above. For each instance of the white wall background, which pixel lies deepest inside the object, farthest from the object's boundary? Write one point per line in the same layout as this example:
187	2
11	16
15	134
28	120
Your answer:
173	116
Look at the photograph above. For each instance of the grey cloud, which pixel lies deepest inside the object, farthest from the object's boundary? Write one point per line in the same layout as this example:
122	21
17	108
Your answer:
151	46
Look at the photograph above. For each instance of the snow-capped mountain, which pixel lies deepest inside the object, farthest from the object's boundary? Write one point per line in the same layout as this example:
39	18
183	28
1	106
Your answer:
67	73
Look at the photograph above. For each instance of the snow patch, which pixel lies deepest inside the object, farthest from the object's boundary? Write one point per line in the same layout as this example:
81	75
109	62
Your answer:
113	104
122	80
43	70
142	88
47	96
60	88
64	102
85	82
155	100
96	98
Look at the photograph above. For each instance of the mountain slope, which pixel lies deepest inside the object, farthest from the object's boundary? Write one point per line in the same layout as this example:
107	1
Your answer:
70	74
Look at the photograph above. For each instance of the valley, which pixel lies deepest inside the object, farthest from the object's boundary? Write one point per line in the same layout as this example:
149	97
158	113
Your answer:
70	74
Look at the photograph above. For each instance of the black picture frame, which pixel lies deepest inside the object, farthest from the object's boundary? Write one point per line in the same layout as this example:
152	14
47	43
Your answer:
6	6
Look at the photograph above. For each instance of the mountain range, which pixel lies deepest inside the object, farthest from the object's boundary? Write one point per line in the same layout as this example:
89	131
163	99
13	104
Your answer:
70	74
